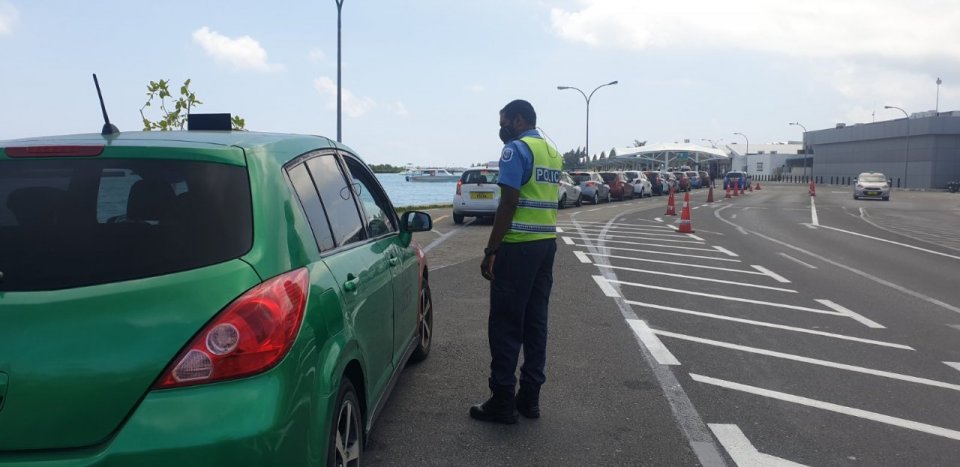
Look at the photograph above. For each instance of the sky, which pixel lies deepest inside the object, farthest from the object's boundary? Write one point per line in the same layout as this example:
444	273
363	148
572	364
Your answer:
423	80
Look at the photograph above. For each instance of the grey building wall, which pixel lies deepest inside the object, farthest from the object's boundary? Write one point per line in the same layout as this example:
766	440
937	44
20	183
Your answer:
932	161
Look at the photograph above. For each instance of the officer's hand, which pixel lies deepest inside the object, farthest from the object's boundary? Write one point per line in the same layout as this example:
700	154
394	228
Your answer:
486	267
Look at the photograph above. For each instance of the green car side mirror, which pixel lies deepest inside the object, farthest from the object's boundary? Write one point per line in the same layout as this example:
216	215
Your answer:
414	221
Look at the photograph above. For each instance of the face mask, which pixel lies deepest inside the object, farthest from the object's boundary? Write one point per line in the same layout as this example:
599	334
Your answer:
507	134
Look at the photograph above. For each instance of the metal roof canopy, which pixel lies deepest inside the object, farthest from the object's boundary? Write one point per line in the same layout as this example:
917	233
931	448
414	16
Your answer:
665	153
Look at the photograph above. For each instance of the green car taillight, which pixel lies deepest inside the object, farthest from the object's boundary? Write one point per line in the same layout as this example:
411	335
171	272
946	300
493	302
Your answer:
249	336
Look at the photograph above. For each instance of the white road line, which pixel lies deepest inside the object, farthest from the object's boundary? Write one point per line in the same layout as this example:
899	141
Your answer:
893	242
610	224
643	237
652	343
695	237
695	207
725	251
605	286
732	299
440	218
954	365
659	252
567	240
839	192
658	219
813	211
650	233
808	225
955	326
898	422
559	230
812	361
696	278
791	258
582	257
594	209
445	236
733	216
586	238
675	247
856	316
741	450
698	266
772	325
674	227
866	275
863	213
767	272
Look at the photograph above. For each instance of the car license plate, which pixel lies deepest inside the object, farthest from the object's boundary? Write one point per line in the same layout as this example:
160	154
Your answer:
481	195
873	193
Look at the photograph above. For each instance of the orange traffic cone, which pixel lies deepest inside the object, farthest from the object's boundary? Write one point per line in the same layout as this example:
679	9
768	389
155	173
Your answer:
685	225
736	184
727	196
813	189
710	194
749	187
671	206
758	186
741	188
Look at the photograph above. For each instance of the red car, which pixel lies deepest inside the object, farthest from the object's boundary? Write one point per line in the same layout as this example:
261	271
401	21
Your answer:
620	187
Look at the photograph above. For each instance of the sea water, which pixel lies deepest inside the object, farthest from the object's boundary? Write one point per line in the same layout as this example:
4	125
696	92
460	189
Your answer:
404	193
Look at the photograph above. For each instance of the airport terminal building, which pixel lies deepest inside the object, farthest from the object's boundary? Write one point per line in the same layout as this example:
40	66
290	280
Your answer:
919	152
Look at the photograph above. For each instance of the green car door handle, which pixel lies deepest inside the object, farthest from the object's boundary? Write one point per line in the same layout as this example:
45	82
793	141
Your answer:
394	261
352	283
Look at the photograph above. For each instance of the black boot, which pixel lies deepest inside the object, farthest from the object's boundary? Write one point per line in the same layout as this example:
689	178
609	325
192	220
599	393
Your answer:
528	401
501	407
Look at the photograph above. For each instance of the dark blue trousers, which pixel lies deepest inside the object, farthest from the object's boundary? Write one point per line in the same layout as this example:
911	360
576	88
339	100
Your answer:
519	295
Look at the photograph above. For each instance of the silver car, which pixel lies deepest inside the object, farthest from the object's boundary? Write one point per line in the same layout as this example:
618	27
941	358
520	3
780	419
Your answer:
568	193
872	185
593	188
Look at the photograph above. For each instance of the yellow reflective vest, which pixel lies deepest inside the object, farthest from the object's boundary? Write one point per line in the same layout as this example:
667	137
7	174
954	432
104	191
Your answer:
536	215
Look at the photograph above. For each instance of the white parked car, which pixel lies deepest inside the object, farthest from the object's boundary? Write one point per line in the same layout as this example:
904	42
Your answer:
641	185
568	193
478	194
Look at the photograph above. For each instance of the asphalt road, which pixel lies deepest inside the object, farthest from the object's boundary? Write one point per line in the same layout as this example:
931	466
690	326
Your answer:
786	329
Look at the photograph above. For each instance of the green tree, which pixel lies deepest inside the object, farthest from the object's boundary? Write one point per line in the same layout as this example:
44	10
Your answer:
603	155
613	153
175	119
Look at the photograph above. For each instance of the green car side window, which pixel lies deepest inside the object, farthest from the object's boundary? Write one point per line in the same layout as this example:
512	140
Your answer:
376	207
337	199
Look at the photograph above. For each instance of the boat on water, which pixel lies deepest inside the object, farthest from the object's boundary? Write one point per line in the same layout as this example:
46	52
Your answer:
434	174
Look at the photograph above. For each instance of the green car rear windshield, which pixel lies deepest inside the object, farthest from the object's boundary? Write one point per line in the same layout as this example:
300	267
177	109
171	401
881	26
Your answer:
78	222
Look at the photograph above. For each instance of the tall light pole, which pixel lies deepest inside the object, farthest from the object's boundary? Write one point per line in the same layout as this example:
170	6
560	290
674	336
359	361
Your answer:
906	156
745	154
339	97
804	146
586	98
712	142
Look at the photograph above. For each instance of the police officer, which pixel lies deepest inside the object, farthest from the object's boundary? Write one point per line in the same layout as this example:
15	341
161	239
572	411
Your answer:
518	262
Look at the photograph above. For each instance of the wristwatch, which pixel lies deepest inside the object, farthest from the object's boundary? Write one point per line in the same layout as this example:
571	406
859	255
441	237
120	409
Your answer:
489	251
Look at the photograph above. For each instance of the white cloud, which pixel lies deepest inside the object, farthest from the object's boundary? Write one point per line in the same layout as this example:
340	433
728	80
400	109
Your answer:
353	106
399	109
814	28
316	55
8	16
243	53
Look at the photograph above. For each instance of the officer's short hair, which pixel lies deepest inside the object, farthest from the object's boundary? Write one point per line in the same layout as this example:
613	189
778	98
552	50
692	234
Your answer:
522	108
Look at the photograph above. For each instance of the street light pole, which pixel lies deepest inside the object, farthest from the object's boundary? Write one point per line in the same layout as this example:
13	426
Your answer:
746	167
804	146
339	96
906	156
586	98
939	82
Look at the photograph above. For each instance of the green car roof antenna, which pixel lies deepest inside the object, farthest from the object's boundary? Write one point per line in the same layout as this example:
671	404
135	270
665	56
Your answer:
108	128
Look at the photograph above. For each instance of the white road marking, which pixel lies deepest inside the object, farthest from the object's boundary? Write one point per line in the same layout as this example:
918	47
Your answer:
638	237
605	286
661	252
649	233
742	451
732	299
674	227
839	192
675	247
440	218
767	272
955	326
808	225
559	230
658	219
791	258
725	251
579	224
695	237
954	365
582	257
698	266
812	361
899	422
652	343
866	275
863	213
445	236
696	278
772	325
893	242
594	209
733	216
567	240
856	316
695	207
813	211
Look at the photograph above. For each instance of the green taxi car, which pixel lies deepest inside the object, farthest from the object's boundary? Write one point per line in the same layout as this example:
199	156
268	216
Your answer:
200	298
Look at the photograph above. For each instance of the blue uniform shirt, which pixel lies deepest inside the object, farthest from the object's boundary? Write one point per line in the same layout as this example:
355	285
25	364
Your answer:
516	161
